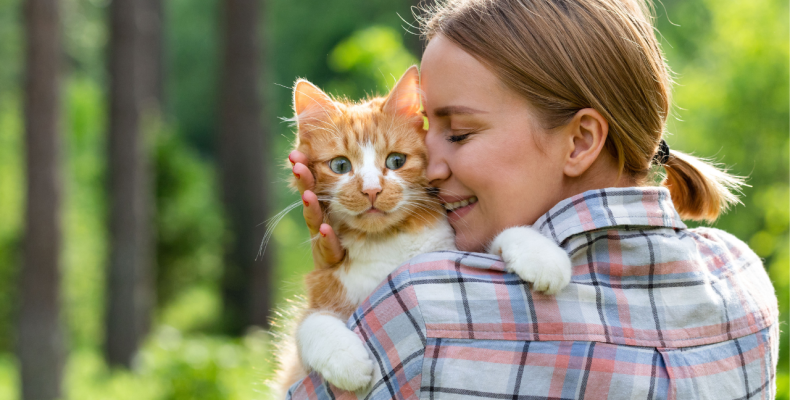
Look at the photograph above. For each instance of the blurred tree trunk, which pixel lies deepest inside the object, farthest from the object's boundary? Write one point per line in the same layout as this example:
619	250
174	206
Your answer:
151	57
242	146
40	335
134	67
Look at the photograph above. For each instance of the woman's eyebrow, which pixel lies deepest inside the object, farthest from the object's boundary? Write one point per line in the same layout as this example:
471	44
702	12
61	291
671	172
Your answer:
453	110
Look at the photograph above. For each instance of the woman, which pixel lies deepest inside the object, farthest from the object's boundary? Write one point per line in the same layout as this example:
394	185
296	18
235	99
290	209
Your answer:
551	114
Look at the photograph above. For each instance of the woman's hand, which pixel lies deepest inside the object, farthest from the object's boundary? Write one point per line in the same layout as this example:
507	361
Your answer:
327	250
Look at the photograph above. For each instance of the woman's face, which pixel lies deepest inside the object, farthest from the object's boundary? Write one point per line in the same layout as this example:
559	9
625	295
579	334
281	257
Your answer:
485	143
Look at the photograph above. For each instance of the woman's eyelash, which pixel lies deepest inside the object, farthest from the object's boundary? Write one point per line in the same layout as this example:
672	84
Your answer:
458	138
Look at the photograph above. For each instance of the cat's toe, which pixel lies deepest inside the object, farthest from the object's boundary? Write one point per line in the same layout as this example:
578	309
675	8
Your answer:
327	346
555	271
349	370
534	258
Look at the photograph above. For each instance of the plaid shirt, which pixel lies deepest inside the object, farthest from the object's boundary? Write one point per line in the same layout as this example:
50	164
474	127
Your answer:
654	310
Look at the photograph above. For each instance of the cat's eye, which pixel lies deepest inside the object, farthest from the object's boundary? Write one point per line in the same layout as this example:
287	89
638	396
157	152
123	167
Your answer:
340	165
395	160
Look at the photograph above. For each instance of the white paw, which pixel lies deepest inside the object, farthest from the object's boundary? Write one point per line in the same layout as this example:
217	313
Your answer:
534	258
329	348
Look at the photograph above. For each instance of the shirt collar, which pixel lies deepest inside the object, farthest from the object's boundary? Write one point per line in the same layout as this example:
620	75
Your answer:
604	208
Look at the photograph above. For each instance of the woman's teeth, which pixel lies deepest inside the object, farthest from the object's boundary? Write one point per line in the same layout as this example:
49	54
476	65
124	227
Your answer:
459	204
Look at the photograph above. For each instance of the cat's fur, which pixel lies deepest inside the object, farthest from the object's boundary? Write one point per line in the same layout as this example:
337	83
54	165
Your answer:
409	221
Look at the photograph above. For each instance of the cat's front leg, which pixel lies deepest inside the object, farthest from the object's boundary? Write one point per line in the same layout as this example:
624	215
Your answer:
534	258
328	347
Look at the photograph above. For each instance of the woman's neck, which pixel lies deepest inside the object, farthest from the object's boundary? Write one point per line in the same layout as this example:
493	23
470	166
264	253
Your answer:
603	173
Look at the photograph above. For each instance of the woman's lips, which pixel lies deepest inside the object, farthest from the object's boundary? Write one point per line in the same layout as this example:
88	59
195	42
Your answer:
458	209
450	206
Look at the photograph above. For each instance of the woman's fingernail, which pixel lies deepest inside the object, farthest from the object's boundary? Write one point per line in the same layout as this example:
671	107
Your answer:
297	175
291	160
322	234
306	204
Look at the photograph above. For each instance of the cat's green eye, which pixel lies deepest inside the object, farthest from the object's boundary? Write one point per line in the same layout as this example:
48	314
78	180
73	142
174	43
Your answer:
395	160
340	165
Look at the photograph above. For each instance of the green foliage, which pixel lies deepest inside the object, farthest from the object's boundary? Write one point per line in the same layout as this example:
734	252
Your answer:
192	60
87	37
11	47
371	57
84	212
11	198
170	366
190	232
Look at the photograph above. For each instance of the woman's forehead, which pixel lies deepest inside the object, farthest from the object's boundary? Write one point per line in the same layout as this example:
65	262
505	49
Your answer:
454	82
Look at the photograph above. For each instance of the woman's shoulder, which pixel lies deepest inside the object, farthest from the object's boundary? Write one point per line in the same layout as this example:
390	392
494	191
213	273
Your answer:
452	259
723	244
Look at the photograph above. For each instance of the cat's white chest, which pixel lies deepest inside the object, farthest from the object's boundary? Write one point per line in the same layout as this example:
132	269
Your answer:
372	260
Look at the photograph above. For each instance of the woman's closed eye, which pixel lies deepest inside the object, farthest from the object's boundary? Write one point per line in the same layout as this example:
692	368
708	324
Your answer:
459	136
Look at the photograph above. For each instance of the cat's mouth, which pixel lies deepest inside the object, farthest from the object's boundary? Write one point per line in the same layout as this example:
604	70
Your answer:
373	210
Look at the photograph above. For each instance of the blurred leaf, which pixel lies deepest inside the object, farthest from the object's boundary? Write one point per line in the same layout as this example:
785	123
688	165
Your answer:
374	55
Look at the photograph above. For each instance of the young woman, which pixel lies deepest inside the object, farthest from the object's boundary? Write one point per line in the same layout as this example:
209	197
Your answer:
551	113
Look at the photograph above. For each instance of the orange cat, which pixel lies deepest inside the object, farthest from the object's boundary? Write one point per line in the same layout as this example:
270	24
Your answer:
369	162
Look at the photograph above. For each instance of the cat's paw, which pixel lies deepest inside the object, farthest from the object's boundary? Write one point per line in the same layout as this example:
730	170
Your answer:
328	347
534	258
348	369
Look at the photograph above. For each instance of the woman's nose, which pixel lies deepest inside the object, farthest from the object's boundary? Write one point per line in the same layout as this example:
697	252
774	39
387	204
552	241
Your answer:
437	170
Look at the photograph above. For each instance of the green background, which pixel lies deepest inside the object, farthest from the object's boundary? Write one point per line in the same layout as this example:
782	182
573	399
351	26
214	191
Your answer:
731	104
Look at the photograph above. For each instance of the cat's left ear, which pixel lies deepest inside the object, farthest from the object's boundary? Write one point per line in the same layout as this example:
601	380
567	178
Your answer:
404	99
311	103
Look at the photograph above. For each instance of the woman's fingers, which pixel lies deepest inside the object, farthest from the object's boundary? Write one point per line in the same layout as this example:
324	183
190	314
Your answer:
312	212
304	178
297	157
330	251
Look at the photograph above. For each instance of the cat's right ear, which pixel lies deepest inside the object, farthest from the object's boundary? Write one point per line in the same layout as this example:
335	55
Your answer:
311	103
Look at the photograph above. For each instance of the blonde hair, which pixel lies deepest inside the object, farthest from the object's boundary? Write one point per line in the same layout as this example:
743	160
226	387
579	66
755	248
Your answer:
566	55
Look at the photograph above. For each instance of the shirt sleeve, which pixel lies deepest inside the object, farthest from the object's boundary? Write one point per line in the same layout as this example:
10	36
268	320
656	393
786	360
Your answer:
391	326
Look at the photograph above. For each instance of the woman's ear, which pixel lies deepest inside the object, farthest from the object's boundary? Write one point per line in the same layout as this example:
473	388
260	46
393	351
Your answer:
587	133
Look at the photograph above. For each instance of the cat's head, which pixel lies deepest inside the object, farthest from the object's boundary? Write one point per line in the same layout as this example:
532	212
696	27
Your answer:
368	158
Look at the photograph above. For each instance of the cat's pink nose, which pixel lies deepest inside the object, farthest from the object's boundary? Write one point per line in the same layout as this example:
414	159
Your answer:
372	193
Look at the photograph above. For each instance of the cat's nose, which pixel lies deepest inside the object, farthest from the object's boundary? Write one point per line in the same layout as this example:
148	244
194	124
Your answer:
372	193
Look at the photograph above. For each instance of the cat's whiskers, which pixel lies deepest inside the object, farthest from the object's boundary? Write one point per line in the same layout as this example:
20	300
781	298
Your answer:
413	205
271	223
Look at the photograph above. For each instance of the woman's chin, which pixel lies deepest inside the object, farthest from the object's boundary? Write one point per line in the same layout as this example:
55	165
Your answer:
465	242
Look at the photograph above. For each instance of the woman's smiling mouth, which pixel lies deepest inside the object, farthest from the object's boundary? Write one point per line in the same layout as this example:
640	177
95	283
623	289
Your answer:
458	209
459	204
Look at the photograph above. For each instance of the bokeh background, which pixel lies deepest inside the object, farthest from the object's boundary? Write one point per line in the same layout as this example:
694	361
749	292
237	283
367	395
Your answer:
731	97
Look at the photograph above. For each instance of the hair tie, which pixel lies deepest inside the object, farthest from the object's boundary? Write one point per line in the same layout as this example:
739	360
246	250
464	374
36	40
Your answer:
662	155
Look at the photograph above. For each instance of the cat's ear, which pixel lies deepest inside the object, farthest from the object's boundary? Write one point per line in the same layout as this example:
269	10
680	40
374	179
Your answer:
311	102
404	99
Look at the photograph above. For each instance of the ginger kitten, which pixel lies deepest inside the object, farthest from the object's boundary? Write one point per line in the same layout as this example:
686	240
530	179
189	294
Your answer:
369	160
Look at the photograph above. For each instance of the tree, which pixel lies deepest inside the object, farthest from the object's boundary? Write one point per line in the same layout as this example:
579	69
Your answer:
134	79
151	54
40	342
242	144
